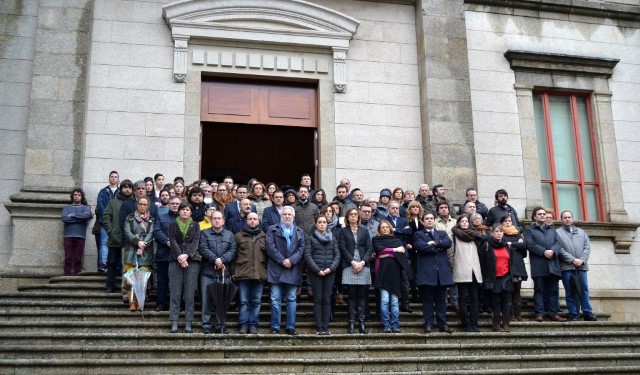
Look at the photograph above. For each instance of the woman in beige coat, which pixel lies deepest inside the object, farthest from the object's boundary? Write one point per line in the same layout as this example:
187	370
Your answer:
467	273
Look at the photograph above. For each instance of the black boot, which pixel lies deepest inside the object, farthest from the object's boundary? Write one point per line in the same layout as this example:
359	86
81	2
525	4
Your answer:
361	316
352	316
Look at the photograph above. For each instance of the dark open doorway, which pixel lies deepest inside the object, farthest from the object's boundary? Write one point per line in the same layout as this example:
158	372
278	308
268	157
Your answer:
279	154
261	129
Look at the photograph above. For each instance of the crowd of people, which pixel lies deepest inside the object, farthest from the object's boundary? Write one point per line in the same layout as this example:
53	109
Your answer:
407	246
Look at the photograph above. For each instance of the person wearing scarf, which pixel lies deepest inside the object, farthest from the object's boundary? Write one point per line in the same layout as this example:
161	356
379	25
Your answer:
138	233
515	241
322	256
391	261
184	237
495	259
333	226
467	273
250	272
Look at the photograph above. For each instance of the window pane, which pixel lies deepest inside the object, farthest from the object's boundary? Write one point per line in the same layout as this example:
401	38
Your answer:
541	137
592	203
569	199
563	139
547	201
585	140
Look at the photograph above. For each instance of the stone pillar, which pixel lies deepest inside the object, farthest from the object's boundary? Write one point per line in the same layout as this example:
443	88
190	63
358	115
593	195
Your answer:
55	136
445	96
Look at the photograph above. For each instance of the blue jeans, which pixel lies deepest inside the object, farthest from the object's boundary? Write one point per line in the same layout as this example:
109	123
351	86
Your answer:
103	251
389	310
250	293
584	296
277	291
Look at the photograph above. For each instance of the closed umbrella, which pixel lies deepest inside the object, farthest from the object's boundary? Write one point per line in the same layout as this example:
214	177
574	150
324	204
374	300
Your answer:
138	278
222	291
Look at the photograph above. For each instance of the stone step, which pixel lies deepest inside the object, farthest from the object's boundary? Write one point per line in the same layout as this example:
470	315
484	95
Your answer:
161	325
329	351
430	364
125	337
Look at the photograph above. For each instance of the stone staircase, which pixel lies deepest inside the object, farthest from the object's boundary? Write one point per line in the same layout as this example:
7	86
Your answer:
70	326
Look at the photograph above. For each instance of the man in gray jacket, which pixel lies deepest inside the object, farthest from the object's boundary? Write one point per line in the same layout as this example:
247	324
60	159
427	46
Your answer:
574	256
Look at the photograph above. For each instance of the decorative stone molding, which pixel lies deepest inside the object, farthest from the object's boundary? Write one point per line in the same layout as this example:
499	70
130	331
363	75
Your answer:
553	63
339	70
546	8
241	60
180	58
291	23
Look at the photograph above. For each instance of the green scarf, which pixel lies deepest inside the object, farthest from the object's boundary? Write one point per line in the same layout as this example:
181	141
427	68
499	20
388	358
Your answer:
183	226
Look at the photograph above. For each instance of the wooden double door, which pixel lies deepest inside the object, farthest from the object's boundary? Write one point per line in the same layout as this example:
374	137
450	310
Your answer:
261	129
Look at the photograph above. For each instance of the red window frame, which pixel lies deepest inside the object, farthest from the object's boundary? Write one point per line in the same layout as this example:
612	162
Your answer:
553	181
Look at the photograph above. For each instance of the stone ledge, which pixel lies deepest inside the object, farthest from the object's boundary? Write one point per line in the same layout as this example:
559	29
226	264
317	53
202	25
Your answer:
525	61
622	234
597	9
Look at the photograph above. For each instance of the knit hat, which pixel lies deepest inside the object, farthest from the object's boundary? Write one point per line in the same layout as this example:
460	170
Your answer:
385	193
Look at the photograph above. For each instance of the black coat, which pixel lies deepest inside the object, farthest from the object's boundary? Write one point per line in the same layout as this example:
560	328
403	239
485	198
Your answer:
433	262
518	268
320	254
488	262
348	246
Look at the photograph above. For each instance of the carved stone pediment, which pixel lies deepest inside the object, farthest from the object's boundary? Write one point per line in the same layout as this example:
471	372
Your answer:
292	22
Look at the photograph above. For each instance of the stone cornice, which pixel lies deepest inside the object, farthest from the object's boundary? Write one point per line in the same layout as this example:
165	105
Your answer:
560	64
290	23
597	9
622	234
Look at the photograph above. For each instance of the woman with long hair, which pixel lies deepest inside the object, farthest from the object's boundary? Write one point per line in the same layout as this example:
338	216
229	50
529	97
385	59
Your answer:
184	237
271	188
355	249
322	257
397	195
179	189
515	241
391	261
319	198
495	258
467	273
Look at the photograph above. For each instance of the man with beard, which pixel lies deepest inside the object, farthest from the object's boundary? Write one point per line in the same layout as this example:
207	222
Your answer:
163	250
439	193
342	198
285	247
196	199
163	200
250	272
112	226
501	209
305	211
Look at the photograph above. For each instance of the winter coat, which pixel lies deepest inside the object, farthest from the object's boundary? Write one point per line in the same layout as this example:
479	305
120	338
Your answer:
575	244
129	207
215	245
466	262
488	261
278	251
261	204
518	268
497	212
306	214
161	235
348	246
104	197
320	254
537	242
111	220
187	244
270	216
133	233
432	261
251	257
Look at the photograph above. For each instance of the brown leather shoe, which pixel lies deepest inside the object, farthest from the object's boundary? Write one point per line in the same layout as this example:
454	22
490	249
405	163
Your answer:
539	318
445	329
558	319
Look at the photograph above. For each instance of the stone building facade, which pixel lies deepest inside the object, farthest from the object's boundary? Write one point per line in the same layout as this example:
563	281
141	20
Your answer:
408	91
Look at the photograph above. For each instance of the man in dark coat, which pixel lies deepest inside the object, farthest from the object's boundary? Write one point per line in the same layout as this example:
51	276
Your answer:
434	273
544	247
271	214
285	249
163	249
501	209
